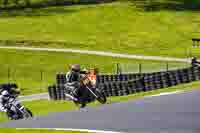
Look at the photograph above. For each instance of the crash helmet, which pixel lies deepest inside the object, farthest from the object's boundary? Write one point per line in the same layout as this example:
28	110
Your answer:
5	93
75	67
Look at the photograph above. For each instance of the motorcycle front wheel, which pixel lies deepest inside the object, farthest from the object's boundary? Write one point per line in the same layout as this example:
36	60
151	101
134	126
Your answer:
27	113
100	96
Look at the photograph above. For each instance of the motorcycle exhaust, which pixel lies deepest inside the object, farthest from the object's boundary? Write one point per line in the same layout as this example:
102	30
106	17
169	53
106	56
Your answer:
71	97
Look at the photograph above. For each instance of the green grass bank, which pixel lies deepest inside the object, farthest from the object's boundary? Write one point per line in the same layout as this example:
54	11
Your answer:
120	26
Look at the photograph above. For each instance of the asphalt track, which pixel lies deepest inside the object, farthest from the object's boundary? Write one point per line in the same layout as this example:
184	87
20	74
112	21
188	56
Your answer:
176	113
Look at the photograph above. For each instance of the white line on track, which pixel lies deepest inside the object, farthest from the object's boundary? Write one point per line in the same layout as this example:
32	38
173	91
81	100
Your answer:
165	93
70	129
100	53
34	97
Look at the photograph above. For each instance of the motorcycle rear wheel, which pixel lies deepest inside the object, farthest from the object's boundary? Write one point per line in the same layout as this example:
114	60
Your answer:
100	96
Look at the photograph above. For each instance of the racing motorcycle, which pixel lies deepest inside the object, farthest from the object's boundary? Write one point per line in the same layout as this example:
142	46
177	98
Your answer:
89	93
17	110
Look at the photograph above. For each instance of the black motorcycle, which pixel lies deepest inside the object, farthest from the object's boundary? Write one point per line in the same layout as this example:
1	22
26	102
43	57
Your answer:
88	94
16	110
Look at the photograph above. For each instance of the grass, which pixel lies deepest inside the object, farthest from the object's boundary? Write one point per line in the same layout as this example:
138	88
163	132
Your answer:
120	26
34	71
6	130
44	107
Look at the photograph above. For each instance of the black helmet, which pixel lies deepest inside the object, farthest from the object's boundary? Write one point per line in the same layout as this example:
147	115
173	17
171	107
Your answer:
76	67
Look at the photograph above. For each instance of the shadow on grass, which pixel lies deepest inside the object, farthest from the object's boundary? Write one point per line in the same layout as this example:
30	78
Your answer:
170	5
41	8
31	12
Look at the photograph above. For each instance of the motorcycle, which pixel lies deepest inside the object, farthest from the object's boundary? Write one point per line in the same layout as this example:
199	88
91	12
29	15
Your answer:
89	93
17	110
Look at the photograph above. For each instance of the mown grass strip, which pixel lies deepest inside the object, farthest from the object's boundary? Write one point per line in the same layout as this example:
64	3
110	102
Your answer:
9	130
121	26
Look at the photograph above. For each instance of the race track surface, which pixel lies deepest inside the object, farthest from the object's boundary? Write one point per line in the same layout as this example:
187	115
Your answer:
176	113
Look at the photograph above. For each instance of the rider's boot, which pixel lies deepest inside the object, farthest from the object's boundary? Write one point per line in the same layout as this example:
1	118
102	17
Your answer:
83	105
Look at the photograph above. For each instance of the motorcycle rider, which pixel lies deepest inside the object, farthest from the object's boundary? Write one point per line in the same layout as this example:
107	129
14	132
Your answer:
6	91
11	88
4	99
74	84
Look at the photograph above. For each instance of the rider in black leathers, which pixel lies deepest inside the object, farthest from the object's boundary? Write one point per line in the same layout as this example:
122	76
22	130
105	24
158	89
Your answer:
73	83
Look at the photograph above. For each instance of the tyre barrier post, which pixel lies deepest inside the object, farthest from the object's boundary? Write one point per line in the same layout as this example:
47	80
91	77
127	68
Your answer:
58	94
115	88
172	78
185	76
106	88
178	77
62	92
127	89
137	85
157	81
163	80
196	73
146	84
131	89
60	78
51	90
191	74
124	89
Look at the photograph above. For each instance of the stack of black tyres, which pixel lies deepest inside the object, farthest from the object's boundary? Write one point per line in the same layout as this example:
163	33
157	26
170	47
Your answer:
125	84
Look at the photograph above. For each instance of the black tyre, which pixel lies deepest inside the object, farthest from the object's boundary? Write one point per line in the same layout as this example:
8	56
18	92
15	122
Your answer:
100	96
28	114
